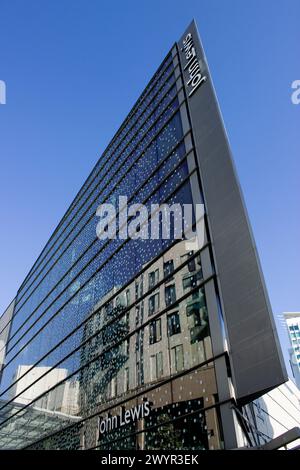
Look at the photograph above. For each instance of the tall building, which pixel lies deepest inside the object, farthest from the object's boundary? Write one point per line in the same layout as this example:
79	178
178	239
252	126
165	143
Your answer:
292	320
62	398
164	341
273	414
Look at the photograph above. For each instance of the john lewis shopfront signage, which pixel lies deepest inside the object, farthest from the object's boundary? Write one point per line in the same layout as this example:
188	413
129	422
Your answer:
111	423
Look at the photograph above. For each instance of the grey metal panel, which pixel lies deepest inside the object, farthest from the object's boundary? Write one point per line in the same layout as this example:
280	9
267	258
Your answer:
255	353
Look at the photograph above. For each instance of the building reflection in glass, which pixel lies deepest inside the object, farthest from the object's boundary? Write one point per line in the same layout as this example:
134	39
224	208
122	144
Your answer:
147	336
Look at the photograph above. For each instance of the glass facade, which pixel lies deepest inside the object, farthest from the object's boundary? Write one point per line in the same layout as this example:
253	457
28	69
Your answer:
102	327
293	327
140	343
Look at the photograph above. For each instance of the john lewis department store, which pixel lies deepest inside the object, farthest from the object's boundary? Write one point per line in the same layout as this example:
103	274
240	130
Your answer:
145	344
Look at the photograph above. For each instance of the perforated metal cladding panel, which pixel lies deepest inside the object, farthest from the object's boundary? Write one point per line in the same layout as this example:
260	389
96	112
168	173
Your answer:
255	353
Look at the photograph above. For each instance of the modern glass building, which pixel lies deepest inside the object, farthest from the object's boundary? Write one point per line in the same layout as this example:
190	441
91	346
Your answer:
292	320
145	344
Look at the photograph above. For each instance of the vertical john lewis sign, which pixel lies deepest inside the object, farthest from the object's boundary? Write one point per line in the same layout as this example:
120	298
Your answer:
194	77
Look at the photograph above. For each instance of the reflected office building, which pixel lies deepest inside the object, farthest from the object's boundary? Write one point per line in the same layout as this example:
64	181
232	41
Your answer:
135	343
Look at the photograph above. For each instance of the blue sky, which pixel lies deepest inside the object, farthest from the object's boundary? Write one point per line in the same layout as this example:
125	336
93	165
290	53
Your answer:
73	69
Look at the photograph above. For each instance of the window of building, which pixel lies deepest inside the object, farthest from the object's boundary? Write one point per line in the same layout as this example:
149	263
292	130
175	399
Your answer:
191	265
192	309
173	322
139	373
139	288
153	303
139	313
170	295
155	331
194	264
139	338
168	268
126	379
177	359
190	281
127	294
153	278
156	366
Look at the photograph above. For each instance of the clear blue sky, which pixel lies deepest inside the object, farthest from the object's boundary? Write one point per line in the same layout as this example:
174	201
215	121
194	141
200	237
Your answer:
73	69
